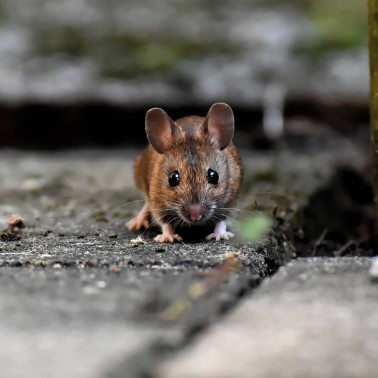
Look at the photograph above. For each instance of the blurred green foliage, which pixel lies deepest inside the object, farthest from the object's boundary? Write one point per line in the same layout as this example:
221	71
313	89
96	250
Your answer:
2	11
338	25
124	55
373	55
254	228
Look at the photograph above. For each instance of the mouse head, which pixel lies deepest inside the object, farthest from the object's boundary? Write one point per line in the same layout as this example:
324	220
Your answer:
199	172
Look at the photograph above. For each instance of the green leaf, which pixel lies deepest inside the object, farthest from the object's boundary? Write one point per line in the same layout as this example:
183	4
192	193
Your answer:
255	227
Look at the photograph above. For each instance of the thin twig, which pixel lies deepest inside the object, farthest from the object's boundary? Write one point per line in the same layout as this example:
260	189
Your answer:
342	250
319	241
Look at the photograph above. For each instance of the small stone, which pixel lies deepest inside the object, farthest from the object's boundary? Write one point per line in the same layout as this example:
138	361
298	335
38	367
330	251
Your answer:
113	235
116	269
160	250
90	290
137	241
101	284
15	223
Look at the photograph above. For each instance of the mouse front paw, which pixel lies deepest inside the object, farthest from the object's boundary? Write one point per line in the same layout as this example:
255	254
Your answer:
220	232
220	236
168	235
137	223
141	220
167	238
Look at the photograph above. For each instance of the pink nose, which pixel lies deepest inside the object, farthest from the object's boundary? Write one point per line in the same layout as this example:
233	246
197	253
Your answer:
195	212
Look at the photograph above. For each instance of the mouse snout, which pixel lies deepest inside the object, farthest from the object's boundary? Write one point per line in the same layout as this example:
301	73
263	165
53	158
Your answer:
195	212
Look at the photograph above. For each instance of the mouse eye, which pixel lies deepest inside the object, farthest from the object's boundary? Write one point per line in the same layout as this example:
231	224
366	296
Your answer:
212	177
174	179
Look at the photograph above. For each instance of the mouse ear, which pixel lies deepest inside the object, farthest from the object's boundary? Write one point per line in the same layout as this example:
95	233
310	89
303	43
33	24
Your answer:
219	125
160	129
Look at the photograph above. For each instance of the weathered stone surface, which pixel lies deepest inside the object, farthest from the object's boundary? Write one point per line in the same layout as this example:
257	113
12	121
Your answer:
314	318
79	298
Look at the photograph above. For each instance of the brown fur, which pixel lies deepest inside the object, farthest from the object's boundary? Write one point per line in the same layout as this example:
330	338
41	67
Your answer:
192	155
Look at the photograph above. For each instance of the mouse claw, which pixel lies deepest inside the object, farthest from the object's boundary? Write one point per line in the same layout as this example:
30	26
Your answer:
220	236
167	238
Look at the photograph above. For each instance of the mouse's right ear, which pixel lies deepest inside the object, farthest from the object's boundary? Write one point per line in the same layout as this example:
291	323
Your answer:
160	130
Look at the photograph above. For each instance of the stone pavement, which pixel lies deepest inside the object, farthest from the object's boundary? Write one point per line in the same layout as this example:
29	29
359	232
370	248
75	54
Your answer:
79	299
313	318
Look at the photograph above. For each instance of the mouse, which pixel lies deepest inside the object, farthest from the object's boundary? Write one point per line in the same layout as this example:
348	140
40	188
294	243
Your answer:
190	173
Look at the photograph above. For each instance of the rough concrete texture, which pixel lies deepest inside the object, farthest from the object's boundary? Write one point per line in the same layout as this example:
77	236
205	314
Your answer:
79	299
313	318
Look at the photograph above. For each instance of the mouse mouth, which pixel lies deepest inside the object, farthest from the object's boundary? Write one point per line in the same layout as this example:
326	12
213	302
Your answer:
194	215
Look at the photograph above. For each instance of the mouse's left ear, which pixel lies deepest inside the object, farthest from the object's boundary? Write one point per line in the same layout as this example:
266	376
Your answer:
219	125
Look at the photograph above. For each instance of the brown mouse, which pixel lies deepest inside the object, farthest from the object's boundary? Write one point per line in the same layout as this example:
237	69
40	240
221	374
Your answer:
190	173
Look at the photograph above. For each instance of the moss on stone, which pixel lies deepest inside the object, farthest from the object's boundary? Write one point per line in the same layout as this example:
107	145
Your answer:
133	56
125	55
9	236
3	13
70	40
338	26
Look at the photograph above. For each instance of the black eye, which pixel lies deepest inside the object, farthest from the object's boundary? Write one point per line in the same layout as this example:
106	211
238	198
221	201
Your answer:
174	179
212	177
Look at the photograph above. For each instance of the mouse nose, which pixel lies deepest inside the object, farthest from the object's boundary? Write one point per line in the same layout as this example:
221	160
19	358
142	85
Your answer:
195	212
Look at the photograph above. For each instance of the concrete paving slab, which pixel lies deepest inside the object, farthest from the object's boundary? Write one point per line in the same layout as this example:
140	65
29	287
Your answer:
79	299
313	318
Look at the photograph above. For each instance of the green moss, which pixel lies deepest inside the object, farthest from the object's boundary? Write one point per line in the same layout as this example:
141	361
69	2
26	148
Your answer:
61	39
100	216
9	236
102	219
125	55
338	25
3	13
145	55
10	248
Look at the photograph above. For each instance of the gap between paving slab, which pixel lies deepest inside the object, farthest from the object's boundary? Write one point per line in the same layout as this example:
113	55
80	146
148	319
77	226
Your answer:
313	318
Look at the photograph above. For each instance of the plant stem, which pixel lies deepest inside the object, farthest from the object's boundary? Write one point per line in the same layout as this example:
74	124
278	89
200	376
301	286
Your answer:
373	50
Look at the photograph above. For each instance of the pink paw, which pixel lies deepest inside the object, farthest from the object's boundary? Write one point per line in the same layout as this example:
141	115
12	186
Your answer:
137	223
225	235
167	238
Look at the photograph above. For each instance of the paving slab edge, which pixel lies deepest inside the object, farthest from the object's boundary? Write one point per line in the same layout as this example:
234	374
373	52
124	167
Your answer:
144	363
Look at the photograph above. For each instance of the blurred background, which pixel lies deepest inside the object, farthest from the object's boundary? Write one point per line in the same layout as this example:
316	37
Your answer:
83	72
